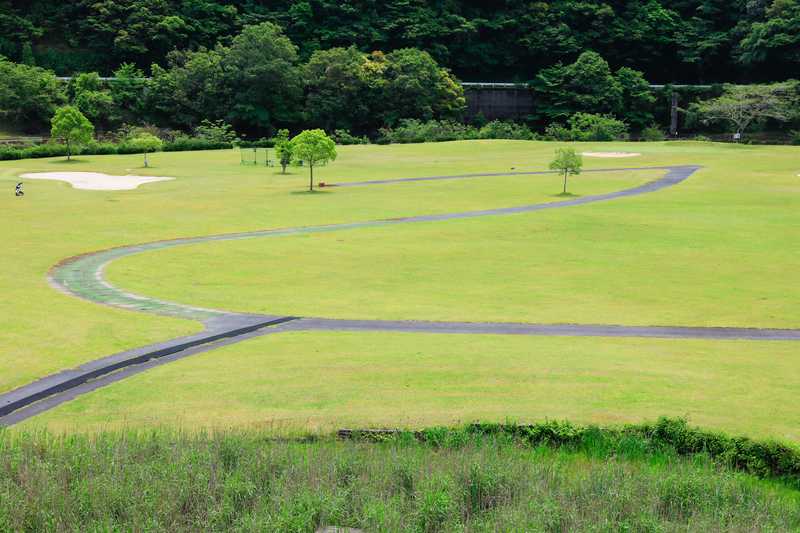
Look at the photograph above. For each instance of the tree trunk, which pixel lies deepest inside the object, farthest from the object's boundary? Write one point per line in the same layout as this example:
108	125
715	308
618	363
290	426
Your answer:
69	151
565	182
311	171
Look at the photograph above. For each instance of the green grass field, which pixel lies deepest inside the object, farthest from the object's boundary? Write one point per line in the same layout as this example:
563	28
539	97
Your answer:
719	249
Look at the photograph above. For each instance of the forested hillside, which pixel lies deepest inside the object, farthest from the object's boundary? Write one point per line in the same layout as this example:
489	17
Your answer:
687	41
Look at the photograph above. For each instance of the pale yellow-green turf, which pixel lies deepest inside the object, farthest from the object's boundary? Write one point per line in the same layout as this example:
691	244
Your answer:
719	249
316	381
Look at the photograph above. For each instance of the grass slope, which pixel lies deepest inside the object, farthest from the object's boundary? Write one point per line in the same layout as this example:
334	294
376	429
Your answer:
167	481
322	381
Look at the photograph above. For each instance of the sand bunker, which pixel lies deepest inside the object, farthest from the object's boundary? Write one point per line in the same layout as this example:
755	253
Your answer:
95	181
611	154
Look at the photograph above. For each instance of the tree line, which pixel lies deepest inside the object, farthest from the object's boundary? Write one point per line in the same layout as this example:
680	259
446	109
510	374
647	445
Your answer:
258	84
688	41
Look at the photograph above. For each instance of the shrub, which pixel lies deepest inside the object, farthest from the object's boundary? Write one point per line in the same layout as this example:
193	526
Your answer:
345	137
8	153
794	137
217	131
127	148
417	131
762	458
186	143
45	150
557	132
498	129
100	148
589	127
652	134
180	144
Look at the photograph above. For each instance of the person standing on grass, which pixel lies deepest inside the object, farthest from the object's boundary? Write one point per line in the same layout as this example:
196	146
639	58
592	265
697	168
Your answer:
18	190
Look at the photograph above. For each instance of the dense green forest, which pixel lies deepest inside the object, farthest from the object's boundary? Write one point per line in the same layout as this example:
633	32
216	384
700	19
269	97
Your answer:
689	41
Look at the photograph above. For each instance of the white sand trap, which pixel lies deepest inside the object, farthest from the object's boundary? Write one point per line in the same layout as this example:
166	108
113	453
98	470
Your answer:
611	155
96	181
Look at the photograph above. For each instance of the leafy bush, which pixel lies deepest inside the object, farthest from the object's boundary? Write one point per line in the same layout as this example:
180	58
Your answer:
794	136
100	148
45	150
180	144
589	127
762	458
186	143
345	137
417	131
558	132
652	134
127	148
498	129
217	131
8	153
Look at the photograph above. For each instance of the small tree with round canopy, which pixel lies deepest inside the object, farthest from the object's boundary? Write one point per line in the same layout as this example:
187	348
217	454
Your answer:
71	127
315	148
568	162
145	142
283	147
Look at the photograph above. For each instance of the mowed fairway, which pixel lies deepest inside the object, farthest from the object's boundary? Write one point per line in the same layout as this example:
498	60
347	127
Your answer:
717	250
45	331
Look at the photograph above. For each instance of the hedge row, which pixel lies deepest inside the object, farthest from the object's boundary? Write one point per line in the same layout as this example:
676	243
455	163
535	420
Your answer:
181	144
768	459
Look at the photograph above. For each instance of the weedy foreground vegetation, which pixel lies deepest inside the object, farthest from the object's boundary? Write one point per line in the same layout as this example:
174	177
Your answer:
547	477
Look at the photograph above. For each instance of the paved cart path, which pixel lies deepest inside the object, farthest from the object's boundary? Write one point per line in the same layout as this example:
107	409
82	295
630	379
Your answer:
82	276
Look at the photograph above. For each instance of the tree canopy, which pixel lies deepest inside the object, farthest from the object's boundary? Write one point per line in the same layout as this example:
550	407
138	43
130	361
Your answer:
744	105
669	40
589	86
28	95
71	127
312	148
144	142
568	162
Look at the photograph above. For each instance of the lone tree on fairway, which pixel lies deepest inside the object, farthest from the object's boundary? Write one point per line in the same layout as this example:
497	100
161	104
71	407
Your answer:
283	148
742	105
71	127
314	147
145	142
568	162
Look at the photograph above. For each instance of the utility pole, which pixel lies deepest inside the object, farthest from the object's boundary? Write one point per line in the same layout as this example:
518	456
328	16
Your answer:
673	115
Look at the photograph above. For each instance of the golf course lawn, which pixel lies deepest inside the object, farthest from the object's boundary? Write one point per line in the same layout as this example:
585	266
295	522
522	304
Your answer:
719	249
47	331
318	381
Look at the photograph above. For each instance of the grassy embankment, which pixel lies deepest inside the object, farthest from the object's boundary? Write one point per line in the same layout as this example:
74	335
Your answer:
558	478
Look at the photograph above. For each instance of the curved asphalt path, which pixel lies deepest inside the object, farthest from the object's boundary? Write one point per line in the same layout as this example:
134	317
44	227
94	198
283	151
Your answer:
82	276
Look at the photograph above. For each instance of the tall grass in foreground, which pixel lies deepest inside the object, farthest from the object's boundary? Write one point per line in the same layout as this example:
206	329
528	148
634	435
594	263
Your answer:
169	481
